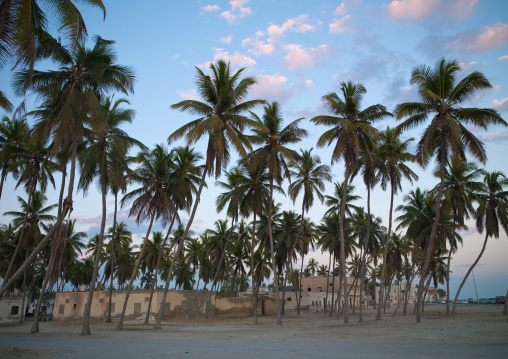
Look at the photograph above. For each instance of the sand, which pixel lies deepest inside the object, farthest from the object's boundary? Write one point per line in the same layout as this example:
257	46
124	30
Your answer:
475	331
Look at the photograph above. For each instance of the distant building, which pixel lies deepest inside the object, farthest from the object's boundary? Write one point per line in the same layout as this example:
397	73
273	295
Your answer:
397	292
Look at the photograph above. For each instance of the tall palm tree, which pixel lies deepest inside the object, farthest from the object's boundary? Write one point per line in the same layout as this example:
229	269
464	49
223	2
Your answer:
5	103
492	213
393	153
220	117
152	200
352	134
103	137
13	133
69	95
447	134
460	187
23	26
274	155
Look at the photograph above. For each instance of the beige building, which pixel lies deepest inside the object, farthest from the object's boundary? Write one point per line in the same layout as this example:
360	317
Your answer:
397	291
11	308
314	294
181	303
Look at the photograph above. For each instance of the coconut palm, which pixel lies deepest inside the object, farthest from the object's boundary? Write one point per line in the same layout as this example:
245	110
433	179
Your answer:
447	134
220	117
12	136
73	247
274	155
23	26
152	200
460	187
492	213
70	96
393	155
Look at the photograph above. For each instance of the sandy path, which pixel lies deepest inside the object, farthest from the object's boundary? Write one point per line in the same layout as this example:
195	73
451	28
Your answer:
476	331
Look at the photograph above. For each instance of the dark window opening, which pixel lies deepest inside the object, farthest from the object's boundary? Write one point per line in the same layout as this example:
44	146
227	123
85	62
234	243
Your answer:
14	310
74	306
308	289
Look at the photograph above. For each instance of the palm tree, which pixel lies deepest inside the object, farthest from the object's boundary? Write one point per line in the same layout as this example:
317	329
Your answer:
492	212
152	200
12	136
220	117
312	266
72	247
274	155
5	103
393	153
69	93
459	191
447	134
23	27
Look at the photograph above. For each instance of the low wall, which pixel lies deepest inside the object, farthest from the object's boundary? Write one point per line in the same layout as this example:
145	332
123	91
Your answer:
182	303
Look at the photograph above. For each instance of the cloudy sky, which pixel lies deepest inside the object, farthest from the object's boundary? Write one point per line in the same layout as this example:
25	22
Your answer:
298	51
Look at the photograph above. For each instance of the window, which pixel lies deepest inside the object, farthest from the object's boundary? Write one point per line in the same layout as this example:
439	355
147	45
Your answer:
289	299
319	289
137	308
15	310
308	289
313	303
61	309
330	284
74	306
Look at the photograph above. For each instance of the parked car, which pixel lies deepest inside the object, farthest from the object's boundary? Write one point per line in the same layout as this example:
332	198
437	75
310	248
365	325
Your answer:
484	300
501	299
470	300
492	300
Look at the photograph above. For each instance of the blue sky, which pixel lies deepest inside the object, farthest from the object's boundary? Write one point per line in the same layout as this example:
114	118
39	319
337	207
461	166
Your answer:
298	51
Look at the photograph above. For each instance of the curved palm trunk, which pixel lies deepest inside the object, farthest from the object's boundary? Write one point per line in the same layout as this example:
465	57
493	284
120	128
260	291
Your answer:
364	256
21	232
469	272
112	271
157	325
342	257
254	293
385	255
86	315
430	245
272	252
67	206
223	255
134	272
156	272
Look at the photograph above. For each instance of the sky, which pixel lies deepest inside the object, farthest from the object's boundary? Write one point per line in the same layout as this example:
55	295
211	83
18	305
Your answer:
298	51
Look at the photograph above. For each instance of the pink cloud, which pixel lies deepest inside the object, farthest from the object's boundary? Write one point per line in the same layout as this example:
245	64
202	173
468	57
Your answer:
298	56
417	9
237	11
340	25
189	95
227	39
271	86
501	105
495	136
505	57
211	8
492	37
236	59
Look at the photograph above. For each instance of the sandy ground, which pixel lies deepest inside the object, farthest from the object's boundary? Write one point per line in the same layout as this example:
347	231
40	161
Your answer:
476	331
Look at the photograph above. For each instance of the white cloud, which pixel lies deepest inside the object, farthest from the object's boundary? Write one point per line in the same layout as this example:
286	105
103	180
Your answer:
495	137
271	87
341	9
237	11
298	56
501	105
491	37
308	82
505	57
340	25
227	39
211	8
417	9
189	95
175	56
236	59
343	76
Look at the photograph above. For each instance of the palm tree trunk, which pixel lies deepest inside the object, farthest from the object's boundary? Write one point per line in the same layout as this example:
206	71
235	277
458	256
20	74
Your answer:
290	254
385	253
21	232
469	272
254	294
156	272
67	206
22	312
112	271
448	277
430	246
387	298
333	286
134	272
342	257
223	255
299	302
364	256
505	304
328	279
272	252
4	175
339	310
86	315
62	188
157	325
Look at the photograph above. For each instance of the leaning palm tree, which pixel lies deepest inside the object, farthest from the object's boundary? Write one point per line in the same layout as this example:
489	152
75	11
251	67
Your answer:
69	95
274	155
151	201
352	134
447	134
220	117
393	155
492	213
13	133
